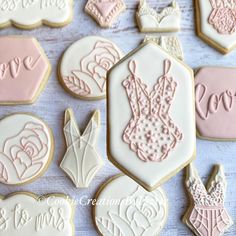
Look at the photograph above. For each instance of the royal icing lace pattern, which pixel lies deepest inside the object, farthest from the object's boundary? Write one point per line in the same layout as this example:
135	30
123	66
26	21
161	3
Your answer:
140	213
150	20
208	216
95	65
151	133
223	17
23	156
81	161
105	11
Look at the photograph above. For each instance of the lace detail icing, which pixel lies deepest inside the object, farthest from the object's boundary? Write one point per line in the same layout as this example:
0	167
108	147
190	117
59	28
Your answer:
208	215
223	16
151	132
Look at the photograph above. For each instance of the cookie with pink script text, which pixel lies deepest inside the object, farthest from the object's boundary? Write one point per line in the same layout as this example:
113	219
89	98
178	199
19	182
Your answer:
207	215
215	99
24	70
26	148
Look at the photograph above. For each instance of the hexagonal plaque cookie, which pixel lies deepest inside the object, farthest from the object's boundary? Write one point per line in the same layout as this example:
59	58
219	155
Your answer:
151	117
24	70
216	23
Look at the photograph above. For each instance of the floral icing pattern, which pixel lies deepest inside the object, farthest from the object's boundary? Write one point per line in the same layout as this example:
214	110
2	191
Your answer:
140	213
208	216
223	17
151	132
23	155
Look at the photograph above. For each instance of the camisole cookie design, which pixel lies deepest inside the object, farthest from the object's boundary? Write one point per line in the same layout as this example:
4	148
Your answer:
105	12
26	148
28	14
137	213
151	21
207	216
84	66
151	115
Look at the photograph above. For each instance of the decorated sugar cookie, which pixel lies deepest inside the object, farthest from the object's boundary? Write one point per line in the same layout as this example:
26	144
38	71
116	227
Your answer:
105	12
81	161
216	23
26	148
24	213
24	70
216	103
167	20
151	118
28	14
207	215
136	212
84	66
170	43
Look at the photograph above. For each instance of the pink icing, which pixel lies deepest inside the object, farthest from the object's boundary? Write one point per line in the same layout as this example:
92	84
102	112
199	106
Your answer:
22	69
223	16
151	132
215	90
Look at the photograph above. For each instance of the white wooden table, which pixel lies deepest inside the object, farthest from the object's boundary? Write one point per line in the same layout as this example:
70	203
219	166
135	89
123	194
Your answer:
54	100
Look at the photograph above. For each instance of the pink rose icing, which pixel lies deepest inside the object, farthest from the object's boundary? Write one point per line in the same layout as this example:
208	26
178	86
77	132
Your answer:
215	89
23	69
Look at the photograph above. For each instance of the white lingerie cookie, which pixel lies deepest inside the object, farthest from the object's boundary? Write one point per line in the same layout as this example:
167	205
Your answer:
151	115
125	208
149	20
25	214
84	66
81	161
26	148
32	13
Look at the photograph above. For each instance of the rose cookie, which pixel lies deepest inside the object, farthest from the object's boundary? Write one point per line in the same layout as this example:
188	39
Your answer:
24	214
151	115
24	70
105	12
83	68
216	23
131	210
81	161
26	148
168	20
28	14
207	215
216	103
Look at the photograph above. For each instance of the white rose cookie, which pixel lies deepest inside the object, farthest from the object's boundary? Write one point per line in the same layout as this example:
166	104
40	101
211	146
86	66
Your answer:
125	208
28	14
26	148
24	214
84	65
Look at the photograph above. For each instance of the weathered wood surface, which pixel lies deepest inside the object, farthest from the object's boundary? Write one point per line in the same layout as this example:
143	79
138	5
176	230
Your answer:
54	100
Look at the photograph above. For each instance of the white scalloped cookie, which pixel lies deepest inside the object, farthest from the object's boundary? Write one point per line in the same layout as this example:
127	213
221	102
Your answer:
26	148
84	66
129	210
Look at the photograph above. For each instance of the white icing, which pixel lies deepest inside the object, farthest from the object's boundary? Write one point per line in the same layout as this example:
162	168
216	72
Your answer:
81	161
136	212
150	174
226	41
88	61
23	214
26	148
30	12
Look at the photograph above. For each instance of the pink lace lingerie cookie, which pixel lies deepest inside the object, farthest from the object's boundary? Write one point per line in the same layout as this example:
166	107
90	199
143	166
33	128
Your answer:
216	23
26	148
24	70
84	66
136	211
151	118
207	215
105	12
215	97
